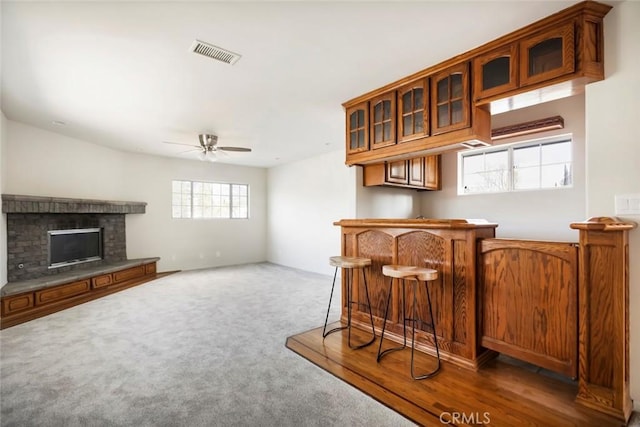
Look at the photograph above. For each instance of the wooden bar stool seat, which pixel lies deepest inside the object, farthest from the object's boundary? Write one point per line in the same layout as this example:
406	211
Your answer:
350	264
416	275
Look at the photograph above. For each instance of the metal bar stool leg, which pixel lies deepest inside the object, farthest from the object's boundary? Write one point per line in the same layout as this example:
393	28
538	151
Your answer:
324	330
373	328
386	311
433	328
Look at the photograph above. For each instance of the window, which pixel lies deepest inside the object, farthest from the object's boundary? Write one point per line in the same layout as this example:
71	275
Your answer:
522	166
193	199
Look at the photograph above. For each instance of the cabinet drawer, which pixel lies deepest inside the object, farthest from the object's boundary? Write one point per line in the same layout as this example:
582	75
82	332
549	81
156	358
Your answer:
46	296
150	268
100	281
16	303
129	273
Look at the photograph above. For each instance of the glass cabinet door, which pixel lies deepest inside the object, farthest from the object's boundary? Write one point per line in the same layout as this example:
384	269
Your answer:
358	128
413	110
495	72
383	122
549	54
450	104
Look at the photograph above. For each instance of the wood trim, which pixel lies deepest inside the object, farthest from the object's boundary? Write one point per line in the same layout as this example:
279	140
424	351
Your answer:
526	128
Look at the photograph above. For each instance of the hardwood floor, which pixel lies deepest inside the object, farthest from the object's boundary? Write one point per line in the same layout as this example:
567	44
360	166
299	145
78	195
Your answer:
500	394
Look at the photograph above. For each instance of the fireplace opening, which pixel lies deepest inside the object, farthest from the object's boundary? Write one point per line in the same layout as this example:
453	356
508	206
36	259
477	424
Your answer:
74	246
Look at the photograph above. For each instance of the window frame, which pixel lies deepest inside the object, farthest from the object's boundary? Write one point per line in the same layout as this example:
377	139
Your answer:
509	149
232	196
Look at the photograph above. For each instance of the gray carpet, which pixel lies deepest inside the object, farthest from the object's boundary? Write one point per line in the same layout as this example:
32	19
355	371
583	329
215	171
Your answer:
197	348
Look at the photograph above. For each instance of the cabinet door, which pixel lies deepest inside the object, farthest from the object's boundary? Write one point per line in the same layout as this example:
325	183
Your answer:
496	72
432	172
397	172
383	120
358	128
451	99
416	171
547	55
413	111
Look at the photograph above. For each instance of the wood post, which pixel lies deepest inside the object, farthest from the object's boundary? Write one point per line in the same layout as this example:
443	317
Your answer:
603	316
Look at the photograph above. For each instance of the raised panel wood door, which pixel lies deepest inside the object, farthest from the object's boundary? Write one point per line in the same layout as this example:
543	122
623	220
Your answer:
547	55
529	295
416	171
413	111
450	106
383	120
358	128
397	172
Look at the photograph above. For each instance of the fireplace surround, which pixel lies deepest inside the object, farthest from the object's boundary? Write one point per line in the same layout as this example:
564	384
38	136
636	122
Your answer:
29	218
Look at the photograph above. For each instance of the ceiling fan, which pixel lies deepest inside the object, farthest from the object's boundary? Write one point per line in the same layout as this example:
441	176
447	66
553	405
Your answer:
209	148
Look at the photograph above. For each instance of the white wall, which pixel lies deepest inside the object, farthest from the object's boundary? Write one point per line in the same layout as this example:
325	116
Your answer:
541	215
613	149
385	202
305	199
43	163
3	217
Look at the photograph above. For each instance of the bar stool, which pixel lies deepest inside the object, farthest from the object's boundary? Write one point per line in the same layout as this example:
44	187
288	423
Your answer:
417	275
349	263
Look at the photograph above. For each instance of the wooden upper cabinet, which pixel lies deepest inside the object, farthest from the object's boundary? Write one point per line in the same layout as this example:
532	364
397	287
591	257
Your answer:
548	54
382	110
358	128
419	173
495	72
451	100
413	110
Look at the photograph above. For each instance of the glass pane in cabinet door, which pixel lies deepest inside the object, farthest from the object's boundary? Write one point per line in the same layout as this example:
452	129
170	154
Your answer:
377	112
443	115
418	99
353	120
419	122
377	133
496	72
456	112
360	118
545	56
386	108
443	90
456	86
360	138
407	125
387	131
353	143
406	102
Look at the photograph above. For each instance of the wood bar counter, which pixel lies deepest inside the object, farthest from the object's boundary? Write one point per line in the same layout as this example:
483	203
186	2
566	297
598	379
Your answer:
448	246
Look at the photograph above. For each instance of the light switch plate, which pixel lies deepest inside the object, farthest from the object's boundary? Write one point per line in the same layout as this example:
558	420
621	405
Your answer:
627	204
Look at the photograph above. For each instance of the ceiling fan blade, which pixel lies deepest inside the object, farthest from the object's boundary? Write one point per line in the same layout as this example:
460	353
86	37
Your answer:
241	149
189	150
179	143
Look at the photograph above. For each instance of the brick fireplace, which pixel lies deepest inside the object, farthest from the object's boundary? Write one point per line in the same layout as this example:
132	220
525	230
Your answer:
29	218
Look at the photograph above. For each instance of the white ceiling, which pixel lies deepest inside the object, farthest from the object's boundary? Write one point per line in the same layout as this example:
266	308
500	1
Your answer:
120	74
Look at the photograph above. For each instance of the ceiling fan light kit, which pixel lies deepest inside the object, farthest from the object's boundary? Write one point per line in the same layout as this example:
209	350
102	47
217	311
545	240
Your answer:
209	149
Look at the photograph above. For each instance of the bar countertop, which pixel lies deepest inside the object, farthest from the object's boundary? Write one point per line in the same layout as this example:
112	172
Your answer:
416	223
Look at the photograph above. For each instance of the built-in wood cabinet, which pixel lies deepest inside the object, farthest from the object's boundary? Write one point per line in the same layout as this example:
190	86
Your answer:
420	173
23	306
448	106
547	55
413	110
382	129
495	72
358	128
451	101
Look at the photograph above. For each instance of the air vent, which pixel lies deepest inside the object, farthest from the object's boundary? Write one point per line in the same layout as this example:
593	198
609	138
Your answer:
214	52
